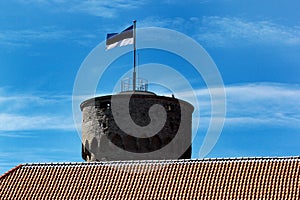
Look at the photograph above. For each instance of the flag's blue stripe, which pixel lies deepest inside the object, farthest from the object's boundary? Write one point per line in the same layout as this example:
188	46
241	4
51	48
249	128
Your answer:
128	29
109	35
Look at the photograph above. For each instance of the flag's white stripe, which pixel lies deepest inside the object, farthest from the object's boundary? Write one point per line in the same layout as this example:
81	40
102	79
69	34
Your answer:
126	41
112	45
121	43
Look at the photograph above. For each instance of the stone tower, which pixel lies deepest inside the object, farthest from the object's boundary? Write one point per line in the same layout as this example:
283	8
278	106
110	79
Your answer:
104	139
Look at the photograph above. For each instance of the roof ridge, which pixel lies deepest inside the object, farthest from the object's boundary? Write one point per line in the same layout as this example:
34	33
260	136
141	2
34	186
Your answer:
124	162
11	171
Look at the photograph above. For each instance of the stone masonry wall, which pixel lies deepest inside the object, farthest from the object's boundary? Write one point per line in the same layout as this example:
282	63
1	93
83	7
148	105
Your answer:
102	139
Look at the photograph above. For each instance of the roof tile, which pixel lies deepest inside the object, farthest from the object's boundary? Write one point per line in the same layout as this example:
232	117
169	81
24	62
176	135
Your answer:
239	178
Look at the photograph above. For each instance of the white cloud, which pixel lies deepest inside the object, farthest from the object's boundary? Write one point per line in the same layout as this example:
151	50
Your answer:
29	34
162	22
13	122
26	37
26	99
11	103
100	8
105	8
249	104
232	31
256	104
25	112
273	104
180	2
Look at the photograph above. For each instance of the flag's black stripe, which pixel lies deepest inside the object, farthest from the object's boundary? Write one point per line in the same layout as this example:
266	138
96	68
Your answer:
113	37
119	37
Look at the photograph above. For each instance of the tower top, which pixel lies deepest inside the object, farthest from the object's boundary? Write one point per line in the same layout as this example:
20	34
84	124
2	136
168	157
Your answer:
141	85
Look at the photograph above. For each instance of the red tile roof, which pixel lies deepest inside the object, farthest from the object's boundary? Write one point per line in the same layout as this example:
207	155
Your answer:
240	178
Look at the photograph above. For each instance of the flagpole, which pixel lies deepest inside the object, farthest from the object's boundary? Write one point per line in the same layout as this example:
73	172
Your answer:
134	54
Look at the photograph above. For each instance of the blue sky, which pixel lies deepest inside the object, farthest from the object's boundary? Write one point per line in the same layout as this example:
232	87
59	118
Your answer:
255	45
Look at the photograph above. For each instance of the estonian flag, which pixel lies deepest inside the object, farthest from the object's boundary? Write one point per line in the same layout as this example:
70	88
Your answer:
119	39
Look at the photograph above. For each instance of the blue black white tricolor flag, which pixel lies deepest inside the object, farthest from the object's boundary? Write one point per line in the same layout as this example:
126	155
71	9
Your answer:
120	39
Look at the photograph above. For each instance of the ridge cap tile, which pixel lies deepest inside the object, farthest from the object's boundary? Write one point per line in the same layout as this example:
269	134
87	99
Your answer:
160	162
